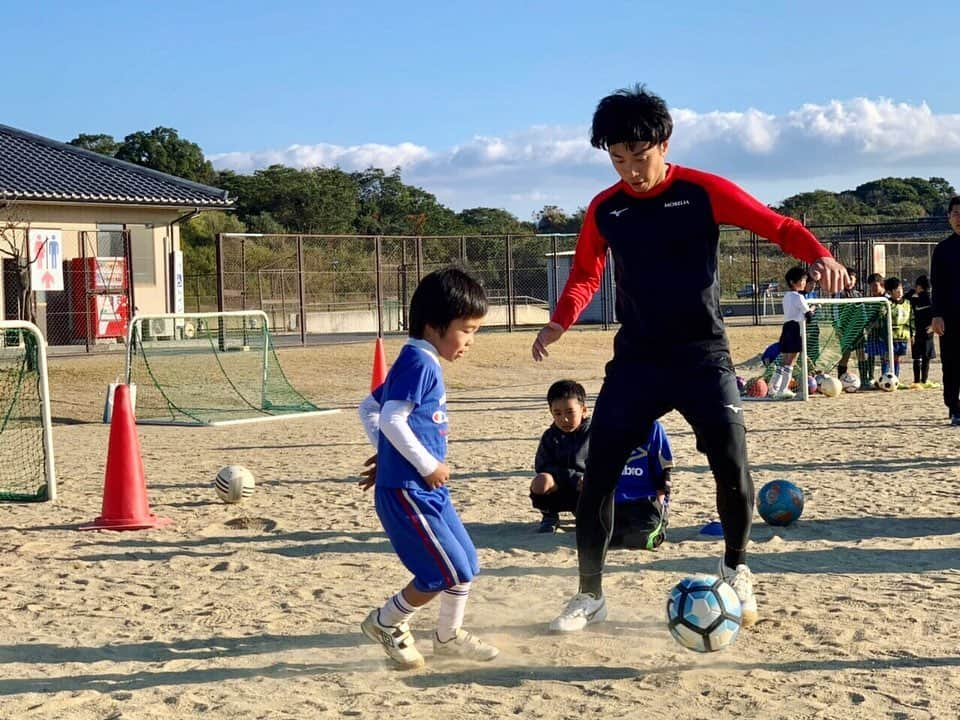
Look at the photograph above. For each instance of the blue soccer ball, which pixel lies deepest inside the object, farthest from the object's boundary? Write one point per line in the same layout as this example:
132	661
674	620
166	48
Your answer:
780	502
703	613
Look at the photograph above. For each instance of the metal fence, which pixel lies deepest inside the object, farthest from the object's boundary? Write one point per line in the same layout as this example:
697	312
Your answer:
315	286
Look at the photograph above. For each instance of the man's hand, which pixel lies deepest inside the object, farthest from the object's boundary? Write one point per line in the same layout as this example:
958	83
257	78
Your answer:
439	477
831	274
936	326
548	334
369	474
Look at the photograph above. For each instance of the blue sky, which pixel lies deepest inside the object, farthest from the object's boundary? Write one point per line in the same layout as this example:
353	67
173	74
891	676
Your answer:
488	103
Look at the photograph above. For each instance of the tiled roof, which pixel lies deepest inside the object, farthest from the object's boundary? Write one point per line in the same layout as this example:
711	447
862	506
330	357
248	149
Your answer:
37	168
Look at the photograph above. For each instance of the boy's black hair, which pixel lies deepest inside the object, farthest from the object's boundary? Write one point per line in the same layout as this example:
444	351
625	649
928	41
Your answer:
442	297
923	281
954	201
566	389
874	277
891	284
631	115
794	275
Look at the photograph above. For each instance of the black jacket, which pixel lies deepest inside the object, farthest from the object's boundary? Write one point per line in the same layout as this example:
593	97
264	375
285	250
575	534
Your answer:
564	455
944	272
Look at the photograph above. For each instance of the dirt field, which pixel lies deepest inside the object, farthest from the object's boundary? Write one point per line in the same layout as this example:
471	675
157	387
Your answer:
253	610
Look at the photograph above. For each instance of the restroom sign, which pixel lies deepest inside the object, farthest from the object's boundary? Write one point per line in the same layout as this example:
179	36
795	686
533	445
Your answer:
45	250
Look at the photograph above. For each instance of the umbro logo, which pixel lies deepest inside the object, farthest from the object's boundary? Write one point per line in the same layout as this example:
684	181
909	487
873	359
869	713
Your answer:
618	213
676	203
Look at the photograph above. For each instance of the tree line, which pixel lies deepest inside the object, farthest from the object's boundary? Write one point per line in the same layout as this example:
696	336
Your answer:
280	199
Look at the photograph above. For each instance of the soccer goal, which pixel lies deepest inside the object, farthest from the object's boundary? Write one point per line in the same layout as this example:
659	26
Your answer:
26	437
844	328
209	369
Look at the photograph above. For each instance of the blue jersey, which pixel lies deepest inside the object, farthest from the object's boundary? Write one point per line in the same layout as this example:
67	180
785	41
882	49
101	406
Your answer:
415	377
642	475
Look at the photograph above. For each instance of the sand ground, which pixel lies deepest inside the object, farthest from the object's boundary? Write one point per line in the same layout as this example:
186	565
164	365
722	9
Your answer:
252	610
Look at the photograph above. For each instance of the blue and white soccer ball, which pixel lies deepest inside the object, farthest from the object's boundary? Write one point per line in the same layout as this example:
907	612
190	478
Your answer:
851	383
703	613
889	382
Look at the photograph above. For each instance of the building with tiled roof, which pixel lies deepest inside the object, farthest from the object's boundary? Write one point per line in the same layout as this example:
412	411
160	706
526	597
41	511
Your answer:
112	229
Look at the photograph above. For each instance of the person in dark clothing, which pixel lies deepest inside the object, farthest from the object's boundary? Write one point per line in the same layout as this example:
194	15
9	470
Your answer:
661	224
945	299
562	454
922	349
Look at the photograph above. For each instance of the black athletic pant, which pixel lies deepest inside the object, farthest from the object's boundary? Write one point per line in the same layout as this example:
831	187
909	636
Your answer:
950	360
634	394
563	499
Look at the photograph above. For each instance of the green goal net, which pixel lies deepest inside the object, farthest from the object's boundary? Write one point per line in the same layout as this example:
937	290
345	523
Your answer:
26	438
845	332
209	369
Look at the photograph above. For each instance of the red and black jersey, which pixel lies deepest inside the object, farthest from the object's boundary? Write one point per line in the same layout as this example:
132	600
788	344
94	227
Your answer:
664	247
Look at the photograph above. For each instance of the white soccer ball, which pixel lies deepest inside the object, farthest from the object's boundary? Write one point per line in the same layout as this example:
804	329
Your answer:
830	386
850	382
234	483
889	382
703	613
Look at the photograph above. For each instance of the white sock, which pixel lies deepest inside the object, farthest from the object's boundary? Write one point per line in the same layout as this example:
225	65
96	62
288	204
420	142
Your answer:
787	371
453	603
396	610
776	380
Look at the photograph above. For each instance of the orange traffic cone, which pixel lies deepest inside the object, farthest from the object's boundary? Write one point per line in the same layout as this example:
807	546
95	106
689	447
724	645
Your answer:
379	366
124	487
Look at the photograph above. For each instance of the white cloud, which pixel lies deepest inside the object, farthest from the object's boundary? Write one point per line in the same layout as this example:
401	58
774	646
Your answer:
772	156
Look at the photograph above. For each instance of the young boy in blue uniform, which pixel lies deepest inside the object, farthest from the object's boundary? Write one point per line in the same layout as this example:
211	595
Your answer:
660	223
406	420
642	499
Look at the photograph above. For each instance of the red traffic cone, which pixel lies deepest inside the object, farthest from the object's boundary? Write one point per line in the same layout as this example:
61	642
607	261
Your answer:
124	487
379	366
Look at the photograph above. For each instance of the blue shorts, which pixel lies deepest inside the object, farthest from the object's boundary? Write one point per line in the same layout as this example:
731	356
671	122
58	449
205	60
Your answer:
428	536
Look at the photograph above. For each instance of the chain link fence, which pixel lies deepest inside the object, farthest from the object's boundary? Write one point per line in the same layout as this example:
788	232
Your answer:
315	286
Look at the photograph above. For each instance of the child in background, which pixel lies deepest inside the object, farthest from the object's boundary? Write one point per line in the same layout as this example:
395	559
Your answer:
901	323
874	344
406	420
922	349
795	310
642	499
562	454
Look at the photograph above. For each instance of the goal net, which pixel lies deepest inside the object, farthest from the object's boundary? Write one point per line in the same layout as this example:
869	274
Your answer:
851	333
26	438
209	369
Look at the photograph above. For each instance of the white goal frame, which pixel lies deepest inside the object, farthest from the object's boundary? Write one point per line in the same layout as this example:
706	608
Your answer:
49	466
821	302
135	335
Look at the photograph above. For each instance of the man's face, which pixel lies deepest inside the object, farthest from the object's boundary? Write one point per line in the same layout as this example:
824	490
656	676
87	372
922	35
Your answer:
954	217
642	166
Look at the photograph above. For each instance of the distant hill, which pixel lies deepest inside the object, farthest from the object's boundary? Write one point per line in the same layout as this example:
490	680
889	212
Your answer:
876	201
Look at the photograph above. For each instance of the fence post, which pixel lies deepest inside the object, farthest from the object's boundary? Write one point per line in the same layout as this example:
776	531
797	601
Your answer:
301	292
755	275
378	249
220	282
511	298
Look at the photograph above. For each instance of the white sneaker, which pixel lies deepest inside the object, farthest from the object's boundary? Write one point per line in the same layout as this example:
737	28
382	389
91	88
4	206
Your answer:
397	640
784	395
582	610
465	647
741	580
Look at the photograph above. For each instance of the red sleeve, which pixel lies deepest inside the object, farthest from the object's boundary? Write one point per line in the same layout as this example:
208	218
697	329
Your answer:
586	271
733	206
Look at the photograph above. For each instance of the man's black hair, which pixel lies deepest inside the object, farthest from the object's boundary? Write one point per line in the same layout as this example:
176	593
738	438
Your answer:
891	284
631	115
442	297
794	275
566	389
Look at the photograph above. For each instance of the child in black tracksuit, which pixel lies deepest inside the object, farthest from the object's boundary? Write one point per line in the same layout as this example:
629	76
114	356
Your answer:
922	349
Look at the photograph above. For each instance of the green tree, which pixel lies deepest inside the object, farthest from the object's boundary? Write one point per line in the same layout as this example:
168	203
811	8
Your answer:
198	240
164	150
103	144
489	221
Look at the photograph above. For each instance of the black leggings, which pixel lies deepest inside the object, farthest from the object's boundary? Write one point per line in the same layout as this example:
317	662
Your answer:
630	400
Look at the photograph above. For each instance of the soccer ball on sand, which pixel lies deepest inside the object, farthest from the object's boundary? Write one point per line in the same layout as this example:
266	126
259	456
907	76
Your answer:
850	382
889	382
234	483
703	613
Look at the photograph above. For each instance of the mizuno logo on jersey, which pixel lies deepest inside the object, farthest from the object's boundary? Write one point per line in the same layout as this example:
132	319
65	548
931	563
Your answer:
618	213
676	203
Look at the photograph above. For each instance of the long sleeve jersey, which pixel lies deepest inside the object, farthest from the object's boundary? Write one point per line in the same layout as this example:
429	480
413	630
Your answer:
564	455
664	244
944	280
